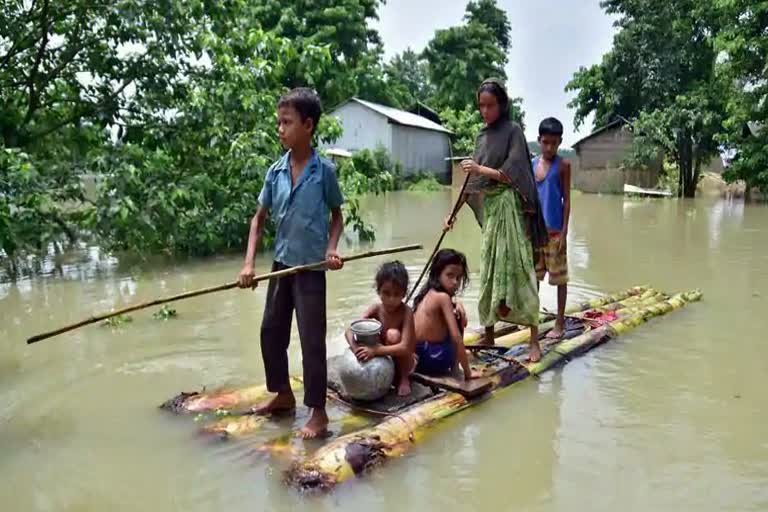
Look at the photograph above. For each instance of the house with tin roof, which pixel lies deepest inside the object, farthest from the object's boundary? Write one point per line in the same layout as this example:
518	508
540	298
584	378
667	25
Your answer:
420	144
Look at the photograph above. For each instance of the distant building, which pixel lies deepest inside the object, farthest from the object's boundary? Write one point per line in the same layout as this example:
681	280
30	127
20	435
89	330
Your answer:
418	143
599	166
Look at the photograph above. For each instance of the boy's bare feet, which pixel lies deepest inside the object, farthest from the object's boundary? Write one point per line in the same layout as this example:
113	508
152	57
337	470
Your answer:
316	427
282	403
557	332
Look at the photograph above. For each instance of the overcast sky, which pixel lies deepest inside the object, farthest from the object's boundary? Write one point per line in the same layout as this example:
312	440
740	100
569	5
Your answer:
550	40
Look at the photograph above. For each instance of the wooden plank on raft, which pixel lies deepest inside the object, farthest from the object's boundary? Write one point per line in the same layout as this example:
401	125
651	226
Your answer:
389	404
469	389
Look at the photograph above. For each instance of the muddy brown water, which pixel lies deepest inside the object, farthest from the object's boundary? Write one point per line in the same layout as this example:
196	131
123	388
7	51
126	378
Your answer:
672	416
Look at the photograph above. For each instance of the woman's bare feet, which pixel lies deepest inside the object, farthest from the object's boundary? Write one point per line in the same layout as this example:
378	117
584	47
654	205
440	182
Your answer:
534	351
282	403
316	427
489	339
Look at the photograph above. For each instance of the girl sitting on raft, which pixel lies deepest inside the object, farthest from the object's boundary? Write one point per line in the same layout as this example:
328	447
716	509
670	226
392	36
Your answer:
397	332
440	323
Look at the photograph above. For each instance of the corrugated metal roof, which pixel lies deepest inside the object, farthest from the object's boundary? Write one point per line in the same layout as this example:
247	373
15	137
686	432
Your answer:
403	117
618	121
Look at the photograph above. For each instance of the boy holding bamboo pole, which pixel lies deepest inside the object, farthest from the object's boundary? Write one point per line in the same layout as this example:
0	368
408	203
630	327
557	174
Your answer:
300	190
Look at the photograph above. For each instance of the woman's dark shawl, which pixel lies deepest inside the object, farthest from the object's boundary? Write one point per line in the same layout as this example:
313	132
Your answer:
502	146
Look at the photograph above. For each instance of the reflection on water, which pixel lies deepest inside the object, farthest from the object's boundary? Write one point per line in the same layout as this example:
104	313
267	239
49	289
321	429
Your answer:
670	417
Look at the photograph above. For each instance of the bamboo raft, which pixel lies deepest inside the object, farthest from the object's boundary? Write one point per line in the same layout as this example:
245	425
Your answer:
372	433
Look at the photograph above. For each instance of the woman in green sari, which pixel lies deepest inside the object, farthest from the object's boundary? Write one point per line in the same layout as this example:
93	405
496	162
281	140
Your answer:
502	193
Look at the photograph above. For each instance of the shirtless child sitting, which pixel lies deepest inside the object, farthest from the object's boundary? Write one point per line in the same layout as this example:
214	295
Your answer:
397	333
440	347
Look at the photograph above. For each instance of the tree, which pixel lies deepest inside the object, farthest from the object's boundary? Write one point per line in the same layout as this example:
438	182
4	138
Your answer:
488	13
170	106
342	27
69	72
408	74
661	72
459	59
745	67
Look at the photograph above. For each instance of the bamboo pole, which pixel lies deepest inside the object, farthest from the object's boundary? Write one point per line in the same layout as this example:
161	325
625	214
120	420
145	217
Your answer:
357	453
228	286
454	211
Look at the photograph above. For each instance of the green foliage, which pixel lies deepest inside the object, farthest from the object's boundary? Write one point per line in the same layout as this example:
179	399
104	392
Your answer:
661	73
341	27
170	106
424	182
367	172
33	212
117	321
488	13
669	177
745	48
408	78
213	152
465	125
165	313
69	73
459	59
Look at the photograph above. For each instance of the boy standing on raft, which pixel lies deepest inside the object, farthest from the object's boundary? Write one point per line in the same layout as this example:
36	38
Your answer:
300	190
553	182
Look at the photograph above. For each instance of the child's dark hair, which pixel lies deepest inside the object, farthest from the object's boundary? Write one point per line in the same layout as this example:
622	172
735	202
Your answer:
392	272
306	102
551	126
442	259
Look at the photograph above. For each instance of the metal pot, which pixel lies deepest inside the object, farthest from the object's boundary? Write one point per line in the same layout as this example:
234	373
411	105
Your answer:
366	331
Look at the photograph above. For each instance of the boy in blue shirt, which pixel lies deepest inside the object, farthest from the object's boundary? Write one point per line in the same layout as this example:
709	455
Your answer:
553	181
300	190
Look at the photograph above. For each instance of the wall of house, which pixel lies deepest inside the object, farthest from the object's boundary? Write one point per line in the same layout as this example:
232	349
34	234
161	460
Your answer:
363	128
599	163
421	150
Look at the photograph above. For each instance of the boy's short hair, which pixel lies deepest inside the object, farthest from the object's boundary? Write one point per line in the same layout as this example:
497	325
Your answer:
306	102
551	126
395	272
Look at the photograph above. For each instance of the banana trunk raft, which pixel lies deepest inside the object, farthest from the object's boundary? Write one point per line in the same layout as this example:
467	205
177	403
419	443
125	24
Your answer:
224	400
354	454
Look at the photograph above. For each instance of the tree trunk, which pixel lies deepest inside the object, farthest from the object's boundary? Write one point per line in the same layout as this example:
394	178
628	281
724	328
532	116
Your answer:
685	164
696	171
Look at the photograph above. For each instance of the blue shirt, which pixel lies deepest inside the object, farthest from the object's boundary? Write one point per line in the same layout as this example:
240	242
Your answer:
551	195
301	213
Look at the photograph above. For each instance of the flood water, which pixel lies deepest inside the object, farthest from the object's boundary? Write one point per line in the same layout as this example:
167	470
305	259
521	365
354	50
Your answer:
672	416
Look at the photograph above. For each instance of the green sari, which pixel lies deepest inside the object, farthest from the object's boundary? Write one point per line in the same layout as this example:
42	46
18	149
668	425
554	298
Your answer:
507	275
